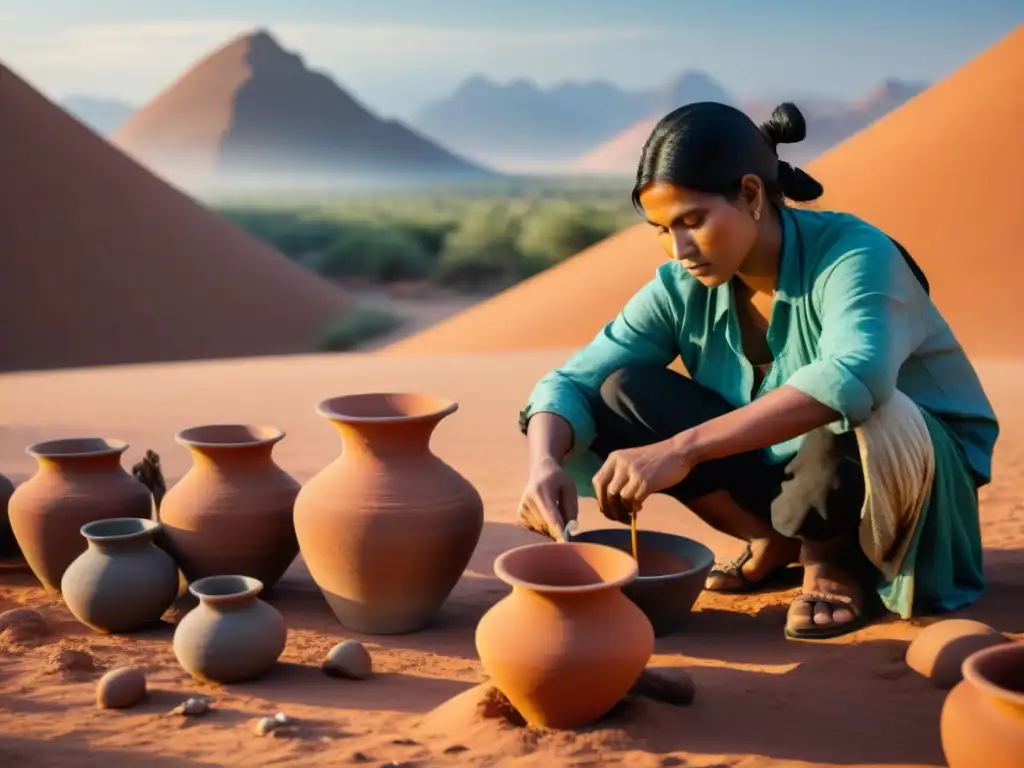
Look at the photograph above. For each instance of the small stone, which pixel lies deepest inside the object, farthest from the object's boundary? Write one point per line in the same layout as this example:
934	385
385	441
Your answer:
455	749
348	659
67	660
282	719
121	688
405	742
265	725
23	624
359	757
192	707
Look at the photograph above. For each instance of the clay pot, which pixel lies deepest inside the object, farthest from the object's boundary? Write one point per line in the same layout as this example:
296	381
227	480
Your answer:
940	649
122	582
567	644
232	635
982	720
9	549
79	480
387	529
232	511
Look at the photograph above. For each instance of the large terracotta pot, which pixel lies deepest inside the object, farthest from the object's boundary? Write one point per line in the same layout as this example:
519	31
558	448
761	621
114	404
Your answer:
387	529
982	720
231	635
232	511
122	582
79	480
567	645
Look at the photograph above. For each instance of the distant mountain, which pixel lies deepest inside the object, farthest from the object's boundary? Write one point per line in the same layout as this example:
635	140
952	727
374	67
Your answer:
104	116
251	113
516	123
829	122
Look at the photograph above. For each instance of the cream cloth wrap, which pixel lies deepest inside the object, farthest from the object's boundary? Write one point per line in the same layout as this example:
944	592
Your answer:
899	466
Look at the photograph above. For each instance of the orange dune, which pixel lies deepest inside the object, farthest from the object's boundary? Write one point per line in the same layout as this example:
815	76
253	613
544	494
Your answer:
753	687
104	263
939	174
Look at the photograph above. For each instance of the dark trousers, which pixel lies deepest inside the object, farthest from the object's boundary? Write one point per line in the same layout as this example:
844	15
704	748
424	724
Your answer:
818	495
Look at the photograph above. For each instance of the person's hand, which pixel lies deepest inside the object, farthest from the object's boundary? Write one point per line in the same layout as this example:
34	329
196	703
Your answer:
629	476
549	501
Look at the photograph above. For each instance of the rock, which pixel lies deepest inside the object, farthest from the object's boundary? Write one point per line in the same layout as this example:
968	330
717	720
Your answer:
405	742
71	661
359	757
939	649
121	688
455	749
350	660
265	725
669	685
193	707
282	719
23	624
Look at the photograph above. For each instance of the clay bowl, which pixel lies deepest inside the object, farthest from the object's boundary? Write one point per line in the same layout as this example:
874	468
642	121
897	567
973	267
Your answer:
673	570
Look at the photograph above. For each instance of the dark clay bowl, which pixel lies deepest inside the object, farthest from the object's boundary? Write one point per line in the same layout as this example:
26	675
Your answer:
673	570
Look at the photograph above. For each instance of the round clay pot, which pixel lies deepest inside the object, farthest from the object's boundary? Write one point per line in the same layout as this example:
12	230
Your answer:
123	581
387	529
232	511
982	720
79	480
940	649
673	570
231	635
567	644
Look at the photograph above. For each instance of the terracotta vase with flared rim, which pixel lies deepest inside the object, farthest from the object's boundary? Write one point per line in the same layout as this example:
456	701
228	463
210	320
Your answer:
387	529
78	481
232	511
122	582
11	558
231	635
566	645
982	721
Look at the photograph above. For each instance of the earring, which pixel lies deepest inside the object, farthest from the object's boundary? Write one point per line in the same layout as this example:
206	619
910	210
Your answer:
757	215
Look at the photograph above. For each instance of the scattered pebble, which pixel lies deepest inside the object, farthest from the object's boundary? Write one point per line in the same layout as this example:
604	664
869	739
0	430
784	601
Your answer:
455	749
193	707
265	725
282	719
23	624
121	688
348	659
405	742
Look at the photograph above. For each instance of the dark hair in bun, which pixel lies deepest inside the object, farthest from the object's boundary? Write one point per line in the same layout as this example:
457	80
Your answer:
710	147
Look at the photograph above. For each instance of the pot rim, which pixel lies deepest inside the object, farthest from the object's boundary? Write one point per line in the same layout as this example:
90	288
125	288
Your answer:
629	575
443	406
50	449
247	586
147	529
270	435
703	565
971	671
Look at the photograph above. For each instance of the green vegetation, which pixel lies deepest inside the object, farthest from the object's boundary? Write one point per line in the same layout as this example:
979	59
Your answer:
357	327
478	238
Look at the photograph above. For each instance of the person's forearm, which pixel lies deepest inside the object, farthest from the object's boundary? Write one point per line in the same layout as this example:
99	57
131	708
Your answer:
549	437
779	416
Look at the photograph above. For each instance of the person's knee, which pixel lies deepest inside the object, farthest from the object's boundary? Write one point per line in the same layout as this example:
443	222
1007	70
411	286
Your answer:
823	493
627	384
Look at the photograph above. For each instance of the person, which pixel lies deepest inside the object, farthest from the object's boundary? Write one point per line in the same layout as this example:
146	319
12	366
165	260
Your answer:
830	418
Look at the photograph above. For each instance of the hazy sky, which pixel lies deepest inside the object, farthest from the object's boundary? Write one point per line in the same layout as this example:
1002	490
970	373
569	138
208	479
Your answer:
396	54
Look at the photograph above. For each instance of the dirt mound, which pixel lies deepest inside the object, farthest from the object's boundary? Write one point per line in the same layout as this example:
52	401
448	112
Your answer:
104	263
938	174
251	112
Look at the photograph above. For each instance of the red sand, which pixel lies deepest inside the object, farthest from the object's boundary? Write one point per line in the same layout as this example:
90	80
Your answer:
761	700
250	112
104	263
938	173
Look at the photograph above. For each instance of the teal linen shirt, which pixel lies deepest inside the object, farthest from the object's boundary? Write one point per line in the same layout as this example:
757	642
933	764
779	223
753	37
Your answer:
850	325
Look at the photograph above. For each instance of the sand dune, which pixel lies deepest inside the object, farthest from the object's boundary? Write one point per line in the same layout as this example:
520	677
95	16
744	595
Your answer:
251	112
938	173
104	263
752	685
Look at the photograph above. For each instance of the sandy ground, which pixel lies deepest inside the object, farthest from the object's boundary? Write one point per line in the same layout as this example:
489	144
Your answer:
761	700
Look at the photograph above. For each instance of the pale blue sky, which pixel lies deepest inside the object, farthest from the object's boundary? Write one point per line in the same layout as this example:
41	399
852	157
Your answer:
395	54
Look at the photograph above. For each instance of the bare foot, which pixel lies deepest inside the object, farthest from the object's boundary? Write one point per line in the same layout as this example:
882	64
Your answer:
757	563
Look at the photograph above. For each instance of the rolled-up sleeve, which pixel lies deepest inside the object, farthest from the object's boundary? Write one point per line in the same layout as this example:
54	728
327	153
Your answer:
644	333
871	321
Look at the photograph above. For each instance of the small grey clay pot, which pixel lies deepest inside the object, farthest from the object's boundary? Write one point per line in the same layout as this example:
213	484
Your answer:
123	581
232	635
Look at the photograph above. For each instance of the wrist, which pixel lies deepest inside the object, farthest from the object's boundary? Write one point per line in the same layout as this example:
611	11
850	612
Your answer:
544	461
687	447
